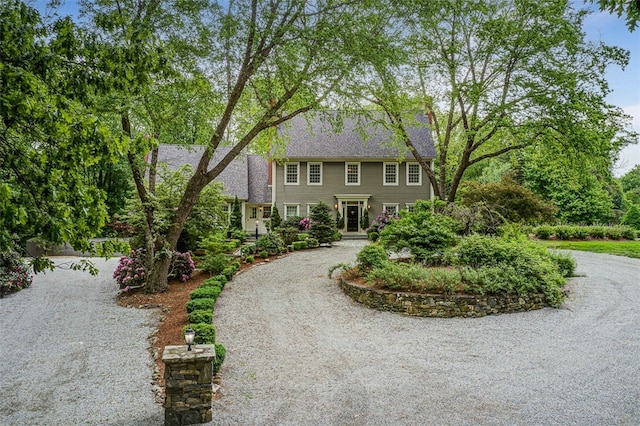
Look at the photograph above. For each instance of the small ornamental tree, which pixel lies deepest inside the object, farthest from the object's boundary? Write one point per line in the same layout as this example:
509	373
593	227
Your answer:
632	217
339	220
235	222
364	222
275	217
323	227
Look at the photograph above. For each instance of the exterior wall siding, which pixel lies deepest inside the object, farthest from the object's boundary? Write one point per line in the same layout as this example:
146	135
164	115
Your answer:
333	182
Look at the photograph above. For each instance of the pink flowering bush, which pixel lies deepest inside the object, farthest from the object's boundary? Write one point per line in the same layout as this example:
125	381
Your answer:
305	223
182	266
14	273
131	271
382	220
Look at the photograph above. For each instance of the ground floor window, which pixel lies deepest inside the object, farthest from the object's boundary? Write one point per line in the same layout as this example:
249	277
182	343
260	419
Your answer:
291	210
253	213
266	212
390	207
409	206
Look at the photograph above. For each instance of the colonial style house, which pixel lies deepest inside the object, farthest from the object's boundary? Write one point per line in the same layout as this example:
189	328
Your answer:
352	167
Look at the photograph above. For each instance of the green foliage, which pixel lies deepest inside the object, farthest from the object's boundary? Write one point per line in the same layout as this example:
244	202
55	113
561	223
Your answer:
239	234
566	232
200	316
235	221
205	333
293	222
271	243
264	254
249	259
215	263
414	277
201	304
373	236
371	256
206	218
275	217
629	10
323	227
632	217
289	234
543	232
221	353
216	281
339	221
312	242
364	221
512	201
300	245
14	273
207	292
424	233
566	264
618	248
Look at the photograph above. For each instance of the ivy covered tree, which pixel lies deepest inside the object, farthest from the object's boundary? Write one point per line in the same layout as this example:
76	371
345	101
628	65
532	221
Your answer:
323	226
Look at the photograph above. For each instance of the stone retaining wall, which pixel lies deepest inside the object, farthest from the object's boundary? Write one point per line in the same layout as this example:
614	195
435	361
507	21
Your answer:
439	305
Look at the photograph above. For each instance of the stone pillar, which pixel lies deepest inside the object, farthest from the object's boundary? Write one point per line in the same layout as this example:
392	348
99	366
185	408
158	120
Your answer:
188	379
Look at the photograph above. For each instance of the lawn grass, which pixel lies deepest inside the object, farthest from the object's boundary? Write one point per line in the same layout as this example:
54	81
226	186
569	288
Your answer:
618	248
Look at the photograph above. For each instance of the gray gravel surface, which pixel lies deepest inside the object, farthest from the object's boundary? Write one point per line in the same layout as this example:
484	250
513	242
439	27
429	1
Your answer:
69	355
300	352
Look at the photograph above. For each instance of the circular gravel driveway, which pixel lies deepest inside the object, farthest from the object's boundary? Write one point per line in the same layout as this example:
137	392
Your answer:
300	352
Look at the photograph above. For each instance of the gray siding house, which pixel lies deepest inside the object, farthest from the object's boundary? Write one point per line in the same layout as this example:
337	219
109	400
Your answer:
350	169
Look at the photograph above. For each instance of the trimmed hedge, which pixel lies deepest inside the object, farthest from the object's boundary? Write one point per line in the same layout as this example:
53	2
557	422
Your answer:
221	353
211	292
205	333
201	304
566	232
200	316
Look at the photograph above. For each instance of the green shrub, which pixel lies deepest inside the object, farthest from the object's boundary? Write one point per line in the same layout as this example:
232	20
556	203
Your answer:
201	304
373	236
566	264
249	259
323	226
631	217
303	236
264	254
271	242
424	233
209	292
215	263
300	245
613	233
580	232
543	232
248	249
240	235
628	233
371	256
289	234
221	353
205	333
200	316
563	232
215	279
597	232
414	277
235	265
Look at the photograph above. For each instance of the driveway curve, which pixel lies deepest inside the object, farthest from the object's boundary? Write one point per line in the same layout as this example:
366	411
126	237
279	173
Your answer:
300	352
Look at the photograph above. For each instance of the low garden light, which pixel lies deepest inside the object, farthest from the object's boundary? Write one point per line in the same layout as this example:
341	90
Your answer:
257	223
189	337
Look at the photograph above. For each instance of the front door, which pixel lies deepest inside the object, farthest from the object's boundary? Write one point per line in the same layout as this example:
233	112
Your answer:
352	218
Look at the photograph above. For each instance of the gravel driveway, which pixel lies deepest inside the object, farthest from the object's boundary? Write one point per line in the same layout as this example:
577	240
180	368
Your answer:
300	352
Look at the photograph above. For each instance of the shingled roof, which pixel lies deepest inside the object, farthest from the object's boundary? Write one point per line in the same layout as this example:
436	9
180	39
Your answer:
312	136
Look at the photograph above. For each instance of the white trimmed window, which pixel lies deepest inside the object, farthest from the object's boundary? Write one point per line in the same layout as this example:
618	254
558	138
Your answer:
409	206
309	207
266	212
253	213
291	173
414	174
390	177
352	173
390	207
291	210
314	173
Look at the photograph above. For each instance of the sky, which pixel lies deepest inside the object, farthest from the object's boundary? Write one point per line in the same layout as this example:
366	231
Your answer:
599	26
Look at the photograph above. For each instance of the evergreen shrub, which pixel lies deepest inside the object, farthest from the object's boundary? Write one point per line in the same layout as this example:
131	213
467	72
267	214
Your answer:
201	304
205	333
209	292
200	316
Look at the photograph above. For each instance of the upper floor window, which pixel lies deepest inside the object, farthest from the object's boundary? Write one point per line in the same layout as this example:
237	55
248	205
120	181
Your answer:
291	173
314	173
352	174
390	173
414	174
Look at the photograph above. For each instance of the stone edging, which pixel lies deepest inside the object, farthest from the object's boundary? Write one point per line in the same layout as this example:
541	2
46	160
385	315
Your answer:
440	305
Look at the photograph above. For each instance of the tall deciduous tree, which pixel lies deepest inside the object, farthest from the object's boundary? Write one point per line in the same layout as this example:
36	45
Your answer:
261	64
498	76
49	134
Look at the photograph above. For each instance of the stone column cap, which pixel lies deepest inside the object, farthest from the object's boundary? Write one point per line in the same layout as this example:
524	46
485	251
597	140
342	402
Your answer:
204	353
